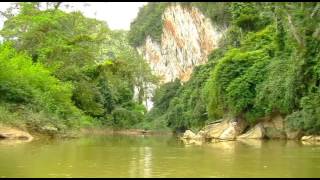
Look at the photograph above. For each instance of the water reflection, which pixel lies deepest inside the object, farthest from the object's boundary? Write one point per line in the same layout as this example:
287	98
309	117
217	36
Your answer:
141	163
224	146
123	156
147	157
254	143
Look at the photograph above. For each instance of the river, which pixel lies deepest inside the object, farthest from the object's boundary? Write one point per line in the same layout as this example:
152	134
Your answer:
157	156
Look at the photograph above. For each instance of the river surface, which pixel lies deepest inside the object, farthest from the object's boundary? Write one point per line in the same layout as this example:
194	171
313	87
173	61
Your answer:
157	156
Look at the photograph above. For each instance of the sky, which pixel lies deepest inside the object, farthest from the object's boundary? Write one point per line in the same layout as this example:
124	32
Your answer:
118	15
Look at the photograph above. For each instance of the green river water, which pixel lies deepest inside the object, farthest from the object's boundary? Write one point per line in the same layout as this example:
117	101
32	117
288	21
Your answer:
157	156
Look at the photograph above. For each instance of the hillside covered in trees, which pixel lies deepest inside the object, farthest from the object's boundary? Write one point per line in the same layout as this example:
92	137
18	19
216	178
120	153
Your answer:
267	62
61	71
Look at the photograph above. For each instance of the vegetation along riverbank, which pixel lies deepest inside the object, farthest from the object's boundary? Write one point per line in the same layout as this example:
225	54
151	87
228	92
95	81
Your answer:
226	70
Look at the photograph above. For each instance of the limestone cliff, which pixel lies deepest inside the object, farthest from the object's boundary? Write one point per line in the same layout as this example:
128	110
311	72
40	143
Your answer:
187	39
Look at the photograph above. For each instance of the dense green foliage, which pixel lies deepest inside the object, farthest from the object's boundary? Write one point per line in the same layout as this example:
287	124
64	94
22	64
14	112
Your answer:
23	82
268	62
65	70
218	12
148	22
70	70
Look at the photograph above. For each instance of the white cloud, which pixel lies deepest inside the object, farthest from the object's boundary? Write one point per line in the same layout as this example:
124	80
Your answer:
118	15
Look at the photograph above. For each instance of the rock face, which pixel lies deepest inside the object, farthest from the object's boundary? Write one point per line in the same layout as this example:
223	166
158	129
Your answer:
228	134
273	133
191	138
274	127
269	127
233	130
294	135
311	138
215	130
188	135
225	130
14	134
187	39
257	132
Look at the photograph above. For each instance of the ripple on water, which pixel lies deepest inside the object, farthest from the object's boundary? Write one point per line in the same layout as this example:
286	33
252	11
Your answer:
156	158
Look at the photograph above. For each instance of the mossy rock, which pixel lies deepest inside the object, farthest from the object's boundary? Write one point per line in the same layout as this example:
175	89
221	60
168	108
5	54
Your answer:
273	133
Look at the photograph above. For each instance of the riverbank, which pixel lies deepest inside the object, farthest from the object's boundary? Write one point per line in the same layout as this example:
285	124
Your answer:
132	132
212	133
272	127
10	134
